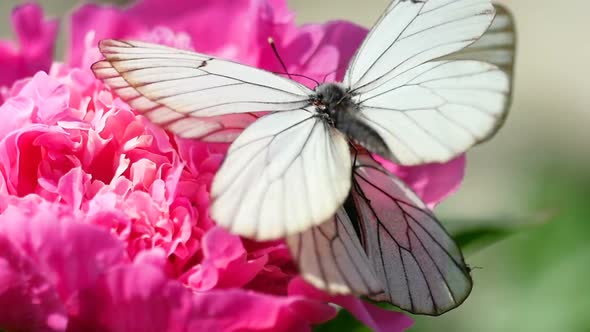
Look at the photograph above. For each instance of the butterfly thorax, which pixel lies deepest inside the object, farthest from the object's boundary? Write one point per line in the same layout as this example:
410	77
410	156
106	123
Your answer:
335	102
332	99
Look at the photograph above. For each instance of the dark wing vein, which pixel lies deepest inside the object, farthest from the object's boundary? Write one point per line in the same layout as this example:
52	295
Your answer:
386	50
419	240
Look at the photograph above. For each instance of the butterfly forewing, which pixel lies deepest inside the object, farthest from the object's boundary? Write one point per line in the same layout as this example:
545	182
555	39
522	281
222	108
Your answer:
159	79
497	46
417	262
285	173
426	110
437	110
411	33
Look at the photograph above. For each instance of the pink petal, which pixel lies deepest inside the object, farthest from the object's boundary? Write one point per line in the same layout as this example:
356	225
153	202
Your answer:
72	186
139	297
36	37
374	317
33	301
15	113
238	310
51	97
231	29
93	17
71	255
432	182
320	51
225	254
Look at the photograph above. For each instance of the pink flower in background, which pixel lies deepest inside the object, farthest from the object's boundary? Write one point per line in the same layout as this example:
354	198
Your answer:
33	51
104	221
432	182
231	29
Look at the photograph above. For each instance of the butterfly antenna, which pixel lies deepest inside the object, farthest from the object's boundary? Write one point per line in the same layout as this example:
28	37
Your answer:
276	52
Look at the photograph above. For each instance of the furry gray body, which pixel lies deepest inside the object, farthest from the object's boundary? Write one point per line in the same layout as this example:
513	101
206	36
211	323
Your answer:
336	103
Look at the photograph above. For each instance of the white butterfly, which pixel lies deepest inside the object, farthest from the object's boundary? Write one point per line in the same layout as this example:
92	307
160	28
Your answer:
290	171
384	242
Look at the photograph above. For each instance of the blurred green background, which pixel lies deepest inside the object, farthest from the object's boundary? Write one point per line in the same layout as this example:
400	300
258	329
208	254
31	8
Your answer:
532	177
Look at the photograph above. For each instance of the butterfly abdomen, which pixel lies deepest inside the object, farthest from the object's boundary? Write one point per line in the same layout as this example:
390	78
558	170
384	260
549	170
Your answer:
349	123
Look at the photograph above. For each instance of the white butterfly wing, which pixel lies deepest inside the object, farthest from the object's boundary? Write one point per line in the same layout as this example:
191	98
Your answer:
497	46
427	110
331	257
420	267
285	173
180	90
436	111
412	32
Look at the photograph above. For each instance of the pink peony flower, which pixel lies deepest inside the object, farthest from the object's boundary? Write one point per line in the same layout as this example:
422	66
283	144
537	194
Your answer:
36	38
61	273
104	221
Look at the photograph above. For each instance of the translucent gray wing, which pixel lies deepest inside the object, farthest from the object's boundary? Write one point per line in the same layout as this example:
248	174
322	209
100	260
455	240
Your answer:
419	265
331	258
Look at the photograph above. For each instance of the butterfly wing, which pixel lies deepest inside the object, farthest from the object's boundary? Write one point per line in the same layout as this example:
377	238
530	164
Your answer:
191	94
420	267
497	46
424	109
331	257
285	173
436	111
411	33
398	252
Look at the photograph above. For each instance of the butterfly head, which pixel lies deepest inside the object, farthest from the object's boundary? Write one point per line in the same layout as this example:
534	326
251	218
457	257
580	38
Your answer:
330	97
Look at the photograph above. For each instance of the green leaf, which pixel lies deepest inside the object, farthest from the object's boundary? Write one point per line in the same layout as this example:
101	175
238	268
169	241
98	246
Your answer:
472	240
485	233
344	321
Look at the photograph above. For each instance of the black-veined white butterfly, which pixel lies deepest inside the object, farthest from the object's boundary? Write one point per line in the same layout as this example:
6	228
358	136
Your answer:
384	242
407	95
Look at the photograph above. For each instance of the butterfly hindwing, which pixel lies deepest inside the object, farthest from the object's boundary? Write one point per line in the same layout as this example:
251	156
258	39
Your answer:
419	265
388	246
331	257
